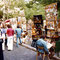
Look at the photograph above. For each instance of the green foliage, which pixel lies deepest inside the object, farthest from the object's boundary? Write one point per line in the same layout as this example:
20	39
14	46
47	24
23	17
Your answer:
34	9
10	15
30	4
14	3
58	14
1	14
5	16
45	2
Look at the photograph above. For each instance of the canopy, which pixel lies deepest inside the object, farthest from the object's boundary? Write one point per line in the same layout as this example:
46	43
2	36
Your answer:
7	21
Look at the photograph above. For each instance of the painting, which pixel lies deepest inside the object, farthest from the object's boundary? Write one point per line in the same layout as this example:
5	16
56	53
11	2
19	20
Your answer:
50	25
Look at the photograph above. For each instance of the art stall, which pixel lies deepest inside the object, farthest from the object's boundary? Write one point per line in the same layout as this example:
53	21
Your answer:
38	23
51	19
36	29
29	30
21	21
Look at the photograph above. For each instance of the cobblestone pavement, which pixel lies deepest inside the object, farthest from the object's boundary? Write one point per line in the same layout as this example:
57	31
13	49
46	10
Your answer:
20	53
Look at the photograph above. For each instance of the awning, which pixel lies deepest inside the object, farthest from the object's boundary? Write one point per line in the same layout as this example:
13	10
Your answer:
7	21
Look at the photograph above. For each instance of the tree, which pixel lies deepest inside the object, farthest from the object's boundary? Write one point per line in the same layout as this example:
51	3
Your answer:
1	14
34	8
47	2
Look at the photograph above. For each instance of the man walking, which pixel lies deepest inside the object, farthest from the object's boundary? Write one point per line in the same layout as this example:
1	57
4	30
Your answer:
18	32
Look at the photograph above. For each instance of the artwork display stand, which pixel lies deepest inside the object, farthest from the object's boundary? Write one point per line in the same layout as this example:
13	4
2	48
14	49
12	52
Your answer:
51	19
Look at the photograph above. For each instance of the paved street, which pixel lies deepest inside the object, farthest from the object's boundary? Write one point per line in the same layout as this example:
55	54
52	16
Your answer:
20	53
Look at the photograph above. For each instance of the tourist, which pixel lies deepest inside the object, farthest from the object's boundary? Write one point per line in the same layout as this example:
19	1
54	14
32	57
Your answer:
46	30
1	41
42	43
3	34
18	32
10	33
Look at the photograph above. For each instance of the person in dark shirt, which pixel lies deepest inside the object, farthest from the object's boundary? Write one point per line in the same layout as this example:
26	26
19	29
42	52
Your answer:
1	41
46	30
1	51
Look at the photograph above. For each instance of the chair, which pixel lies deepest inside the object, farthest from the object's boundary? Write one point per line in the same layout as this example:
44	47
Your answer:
38	53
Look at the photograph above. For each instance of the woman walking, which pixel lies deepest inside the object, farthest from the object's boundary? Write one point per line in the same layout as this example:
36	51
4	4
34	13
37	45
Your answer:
10	33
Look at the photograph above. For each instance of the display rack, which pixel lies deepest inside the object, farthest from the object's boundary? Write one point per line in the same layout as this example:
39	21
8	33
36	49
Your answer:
38	22
51	18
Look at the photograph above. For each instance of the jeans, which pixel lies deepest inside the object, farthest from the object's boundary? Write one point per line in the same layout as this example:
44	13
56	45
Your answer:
18	40
42	43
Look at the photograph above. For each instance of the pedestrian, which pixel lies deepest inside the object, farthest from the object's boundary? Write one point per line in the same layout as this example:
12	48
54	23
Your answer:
57	48
46	30
18	32
1	41
1	51
10	34
4	35
42	43
52	49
